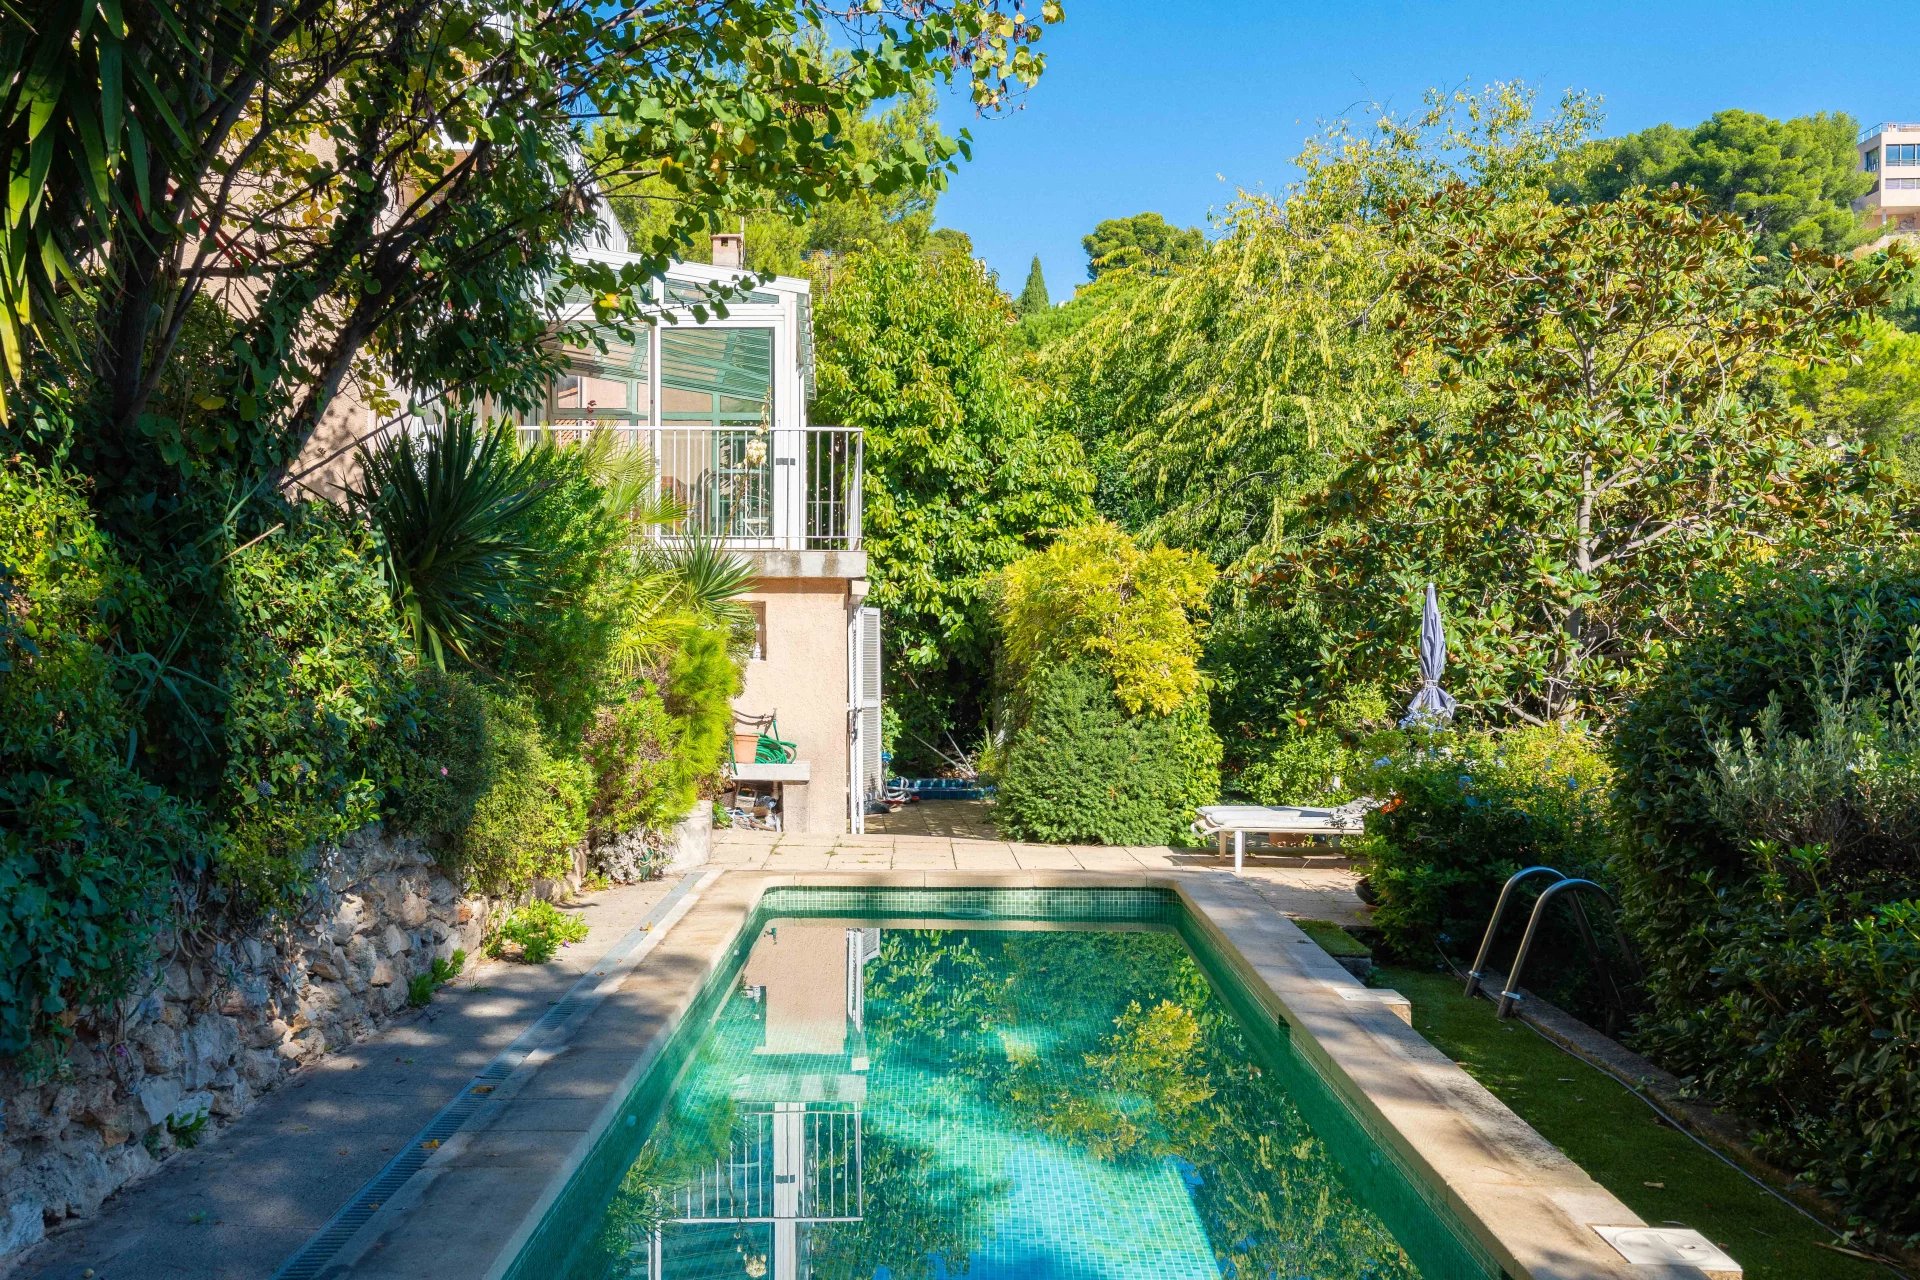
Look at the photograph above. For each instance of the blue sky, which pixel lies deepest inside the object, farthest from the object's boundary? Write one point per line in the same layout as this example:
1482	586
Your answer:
1174	105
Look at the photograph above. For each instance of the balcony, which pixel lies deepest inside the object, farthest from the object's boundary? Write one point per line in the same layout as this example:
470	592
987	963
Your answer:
750	488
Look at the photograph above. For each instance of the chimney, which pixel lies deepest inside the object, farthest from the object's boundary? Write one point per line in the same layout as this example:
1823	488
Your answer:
729	249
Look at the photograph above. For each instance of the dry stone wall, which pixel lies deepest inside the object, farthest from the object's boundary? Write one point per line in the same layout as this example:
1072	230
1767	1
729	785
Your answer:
221	1022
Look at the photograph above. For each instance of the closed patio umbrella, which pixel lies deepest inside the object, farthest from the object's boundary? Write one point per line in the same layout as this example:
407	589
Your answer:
1432	706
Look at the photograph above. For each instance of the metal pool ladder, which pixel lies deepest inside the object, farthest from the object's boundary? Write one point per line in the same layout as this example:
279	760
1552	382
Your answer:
1572	886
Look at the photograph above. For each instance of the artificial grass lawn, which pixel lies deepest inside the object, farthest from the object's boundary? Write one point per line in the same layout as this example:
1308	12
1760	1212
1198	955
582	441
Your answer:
1334	940
1660	1173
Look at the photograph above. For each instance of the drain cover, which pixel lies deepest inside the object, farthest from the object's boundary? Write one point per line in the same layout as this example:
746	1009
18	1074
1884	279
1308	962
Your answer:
1669	1244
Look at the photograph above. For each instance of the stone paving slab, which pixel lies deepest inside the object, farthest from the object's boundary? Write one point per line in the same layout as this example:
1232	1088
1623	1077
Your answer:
1321	889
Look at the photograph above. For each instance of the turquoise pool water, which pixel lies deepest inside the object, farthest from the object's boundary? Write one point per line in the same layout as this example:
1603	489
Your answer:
913	1085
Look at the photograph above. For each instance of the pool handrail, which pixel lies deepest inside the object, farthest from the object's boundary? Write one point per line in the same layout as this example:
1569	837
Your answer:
1493	925
1512	995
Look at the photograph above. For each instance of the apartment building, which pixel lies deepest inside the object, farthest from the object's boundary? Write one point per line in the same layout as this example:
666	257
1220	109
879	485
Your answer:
1891	153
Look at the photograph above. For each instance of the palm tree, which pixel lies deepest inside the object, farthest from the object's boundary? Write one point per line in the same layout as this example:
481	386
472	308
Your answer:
694	580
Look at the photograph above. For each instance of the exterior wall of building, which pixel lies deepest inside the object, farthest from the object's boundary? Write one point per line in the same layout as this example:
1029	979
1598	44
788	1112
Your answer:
326	466
1894	204
802	677
802	969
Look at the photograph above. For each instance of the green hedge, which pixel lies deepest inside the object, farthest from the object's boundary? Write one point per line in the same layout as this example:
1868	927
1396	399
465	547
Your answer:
630	749
1767	639
1080	768
435	762
652	748
1770	776
534	811
315	667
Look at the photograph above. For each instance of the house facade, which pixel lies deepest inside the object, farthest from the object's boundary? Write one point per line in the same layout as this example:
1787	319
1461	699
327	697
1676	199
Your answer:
1891	154
720	405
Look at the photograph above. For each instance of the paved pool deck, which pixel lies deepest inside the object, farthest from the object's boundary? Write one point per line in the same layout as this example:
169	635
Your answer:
235	1207
1312	889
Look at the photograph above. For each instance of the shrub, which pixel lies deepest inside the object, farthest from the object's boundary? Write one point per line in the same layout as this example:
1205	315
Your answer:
1107	736
1802	1027
630	750
1850	786
1097	593
1465	810
1769	773
86	846
1771	640
560	653
534	933
1080	768
435	756
534	810
1307	766
702	679
314	669
651	750
452	514
1285	739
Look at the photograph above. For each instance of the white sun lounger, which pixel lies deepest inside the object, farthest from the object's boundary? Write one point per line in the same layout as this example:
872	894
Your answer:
1222	820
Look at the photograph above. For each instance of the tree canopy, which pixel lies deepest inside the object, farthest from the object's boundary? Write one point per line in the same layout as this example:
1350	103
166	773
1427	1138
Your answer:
1208	398
1143	242
783	233
1616	437
1034	297
406	180
1791	181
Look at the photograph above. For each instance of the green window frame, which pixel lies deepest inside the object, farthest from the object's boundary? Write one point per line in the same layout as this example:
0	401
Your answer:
716	376
602	355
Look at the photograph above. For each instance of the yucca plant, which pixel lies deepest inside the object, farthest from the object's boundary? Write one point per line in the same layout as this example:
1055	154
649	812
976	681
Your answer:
462	519
452	511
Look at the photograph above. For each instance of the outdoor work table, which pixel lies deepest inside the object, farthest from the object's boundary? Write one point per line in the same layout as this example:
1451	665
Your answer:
1222	820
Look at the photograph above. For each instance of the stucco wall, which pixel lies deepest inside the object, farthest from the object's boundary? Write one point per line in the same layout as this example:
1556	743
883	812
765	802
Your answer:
328	457
803	678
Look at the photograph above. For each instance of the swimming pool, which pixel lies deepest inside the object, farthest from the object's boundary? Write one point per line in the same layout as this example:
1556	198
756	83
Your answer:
915	1084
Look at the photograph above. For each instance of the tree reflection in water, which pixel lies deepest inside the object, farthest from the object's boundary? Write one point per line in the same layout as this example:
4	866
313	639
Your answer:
988	1092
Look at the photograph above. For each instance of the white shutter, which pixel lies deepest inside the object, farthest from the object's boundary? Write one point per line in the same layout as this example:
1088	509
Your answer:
872	769
865	772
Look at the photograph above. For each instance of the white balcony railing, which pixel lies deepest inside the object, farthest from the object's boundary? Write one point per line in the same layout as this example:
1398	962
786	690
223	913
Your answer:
1873	131
752	488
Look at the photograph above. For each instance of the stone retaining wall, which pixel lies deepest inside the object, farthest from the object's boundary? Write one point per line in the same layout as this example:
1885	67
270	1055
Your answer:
223	1022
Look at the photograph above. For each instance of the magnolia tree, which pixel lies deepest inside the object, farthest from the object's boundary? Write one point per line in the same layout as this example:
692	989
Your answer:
1616	430
402	179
